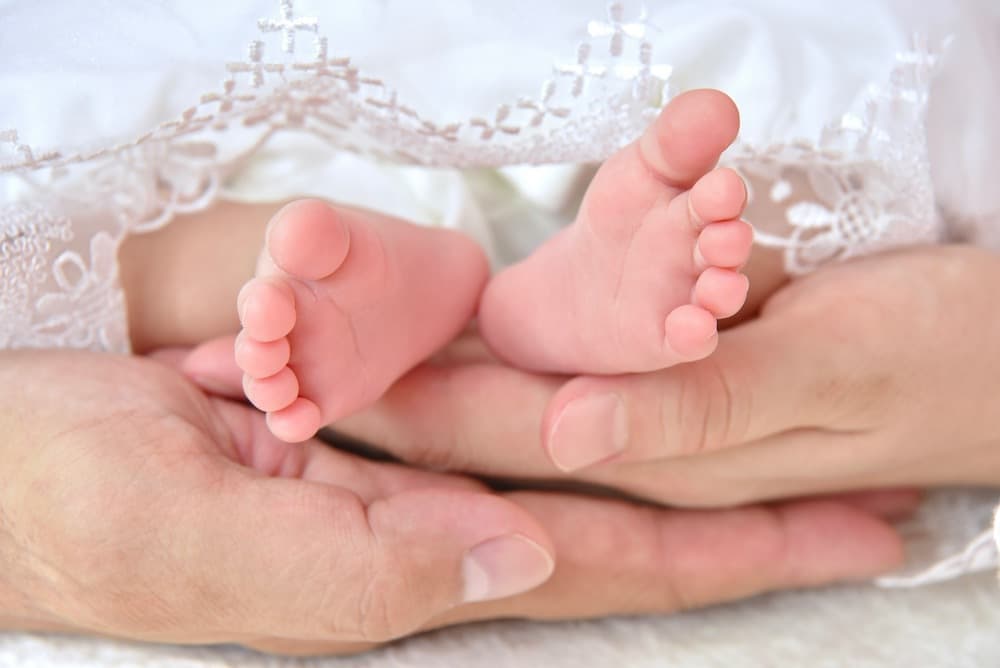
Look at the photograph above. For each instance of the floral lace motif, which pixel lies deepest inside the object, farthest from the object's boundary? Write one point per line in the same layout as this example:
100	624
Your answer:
588	108
864	187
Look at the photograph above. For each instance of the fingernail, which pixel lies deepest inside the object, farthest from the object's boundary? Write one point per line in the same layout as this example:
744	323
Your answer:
504	566
588	430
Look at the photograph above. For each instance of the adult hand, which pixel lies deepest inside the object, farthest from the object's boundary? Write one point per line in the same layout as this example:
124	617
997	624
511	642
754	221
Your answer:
878	372
133	506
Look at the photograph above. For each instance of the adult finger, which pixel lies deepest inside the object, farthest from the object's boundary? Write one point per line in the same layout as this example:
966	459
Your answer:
212	366
614	557
768	376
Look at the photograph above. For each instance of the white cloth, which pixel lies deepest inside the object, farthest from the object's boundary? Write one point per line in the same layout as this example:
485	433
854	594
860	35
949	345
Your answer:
952	625
856	136
118	121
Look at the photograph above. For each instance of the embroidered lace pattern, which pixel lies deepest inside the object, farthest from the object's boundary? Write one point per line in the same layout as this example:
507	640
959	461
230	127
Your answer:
592	104
863	187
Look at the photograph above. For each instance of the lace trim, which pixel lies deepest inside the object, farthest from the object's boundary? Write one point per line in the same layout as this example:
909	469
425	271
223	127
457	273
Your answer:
863	187
328	96
600	100
866	183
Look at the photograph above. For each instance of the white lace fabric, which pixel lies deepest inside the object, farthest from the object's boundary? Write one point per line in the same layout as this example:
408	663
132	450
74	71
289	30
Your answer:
867	173
858	182
863	187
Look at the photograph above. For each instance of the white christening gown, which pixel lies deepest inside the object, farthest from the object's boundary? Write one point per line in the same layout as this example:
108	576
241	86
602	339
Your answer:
865	126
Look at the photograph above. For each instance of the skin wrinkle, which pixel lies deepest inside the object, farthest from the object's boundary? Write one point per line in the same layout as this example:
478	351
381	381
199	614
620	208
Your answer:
328	602
672	194
351	328
701	443
678	419
673	589
379	556
782	554
729	433
666	427
629	246
59	580
595	240
16	551
692	400
375	619
379	266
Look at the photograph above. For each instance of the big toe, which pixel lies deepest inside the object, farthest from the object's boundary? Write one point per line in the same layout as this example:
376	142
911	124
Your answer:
308	239
685	142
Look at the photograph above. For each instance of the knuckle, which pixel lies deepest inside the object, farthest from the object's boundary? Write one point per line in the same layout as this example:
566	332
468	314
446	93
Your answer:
707	412
674	594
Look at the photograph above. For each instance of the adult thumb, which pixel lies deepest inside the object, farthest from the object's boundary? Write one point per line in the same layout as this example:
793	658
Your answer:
313	562
765	378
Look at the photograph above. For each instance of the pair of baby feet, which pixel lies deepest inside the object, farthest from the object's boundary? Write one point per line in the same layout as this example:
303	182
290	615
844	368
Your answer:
345	302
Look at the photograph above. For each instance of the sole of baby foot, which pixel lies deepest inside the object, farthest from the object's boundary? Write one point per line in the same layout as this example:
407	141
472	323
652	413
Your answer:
344	303
639	280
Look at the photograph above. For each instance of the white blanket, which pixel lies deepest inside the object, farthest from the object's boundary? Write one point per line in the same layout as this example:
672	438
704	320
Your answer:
953	624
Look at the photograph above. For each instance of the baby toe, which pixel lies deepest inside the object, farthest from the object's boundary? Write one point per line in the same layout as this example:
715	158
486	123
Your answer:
719	195
297	422
721	292
274	392
261	359
726	244
266	309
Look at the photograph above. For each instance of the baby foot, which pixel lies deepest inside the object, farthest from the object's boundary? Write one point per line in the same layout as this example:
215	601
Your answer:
638	281
344	303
